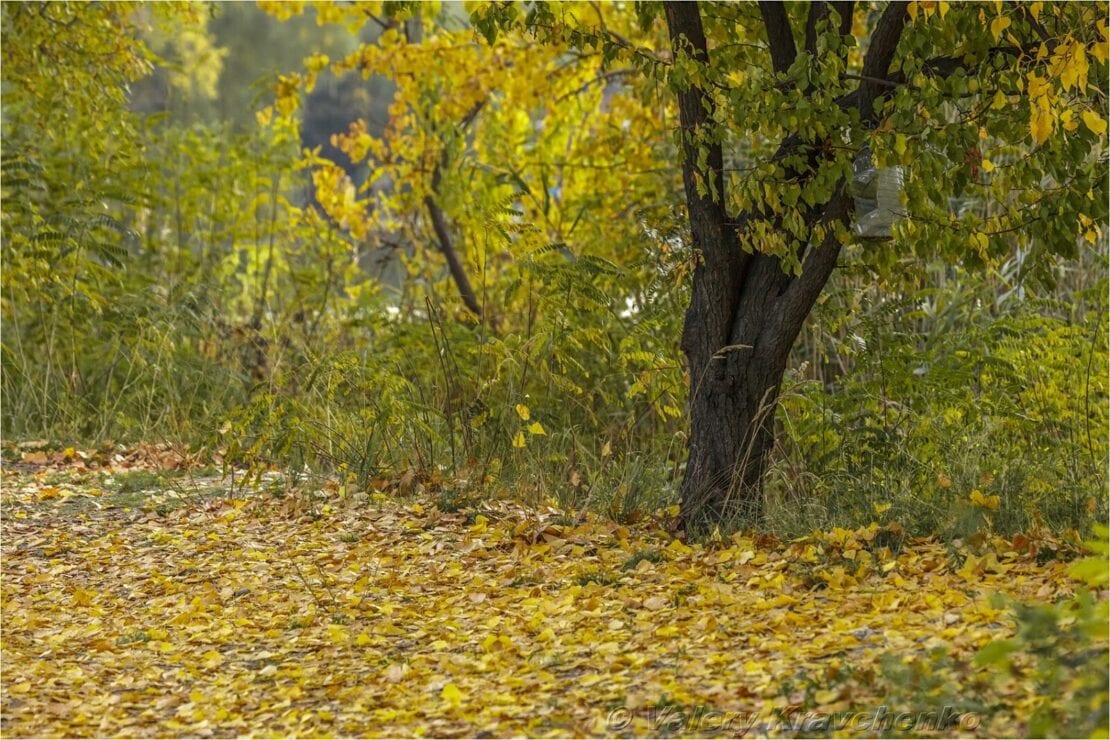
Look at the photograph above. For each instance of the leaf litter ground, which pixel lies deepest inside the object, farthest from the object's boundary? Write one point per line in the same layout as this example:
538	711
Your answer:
184	609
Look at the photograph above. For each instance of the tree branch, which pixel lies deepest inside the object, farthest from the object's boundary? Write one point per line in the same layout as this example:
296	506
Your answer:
820	259
818	11
443	231
447	246
696	110
780	37
884	43
720	261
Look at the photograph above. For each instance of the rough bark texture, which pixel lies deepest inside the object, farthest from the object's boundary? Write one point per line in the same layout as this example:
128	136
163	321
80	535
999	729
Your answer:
745	311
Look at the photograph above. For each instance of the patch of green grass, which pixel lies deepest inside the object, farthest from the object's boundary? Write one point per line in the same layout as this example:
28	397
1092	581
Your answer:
651	556
124	500
132	637
524	579
598	576
134	481
452	502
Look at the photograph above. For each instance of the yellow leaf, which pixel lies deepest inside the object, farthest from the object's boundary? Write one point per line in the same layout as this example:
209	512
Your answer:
900	141
452	694
316	62
1039	87
519	441
1101	51
988	502
1095	122
998	25
523	412
980	241
362	639
1070	63
988	166
1040	120
880	508
338	634
999	101
1067	120
212	659
536	428
49	492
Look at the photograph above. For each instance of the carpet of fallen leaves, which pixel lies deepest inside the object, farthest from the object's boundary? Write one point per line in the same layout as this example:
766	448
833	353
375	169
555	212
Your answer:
192	610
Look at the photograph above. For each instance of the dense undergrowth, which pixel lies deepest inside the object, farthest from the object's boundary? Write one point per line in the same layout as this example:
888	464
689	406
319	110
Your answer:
173	282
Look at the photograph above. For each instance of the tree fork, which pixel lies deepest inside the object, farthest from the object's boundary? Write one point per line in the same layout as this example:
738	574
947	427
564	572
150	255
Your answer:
745	311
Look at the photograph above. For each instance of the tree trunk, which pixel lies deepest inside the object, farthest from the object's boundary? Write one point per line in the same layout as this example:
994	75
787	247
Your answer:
745	310
732	414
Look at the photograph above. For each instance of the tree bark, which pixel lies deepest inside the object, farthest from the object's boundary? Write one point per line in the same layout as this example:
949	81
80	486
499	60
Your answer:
447	247
745	311
439	220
